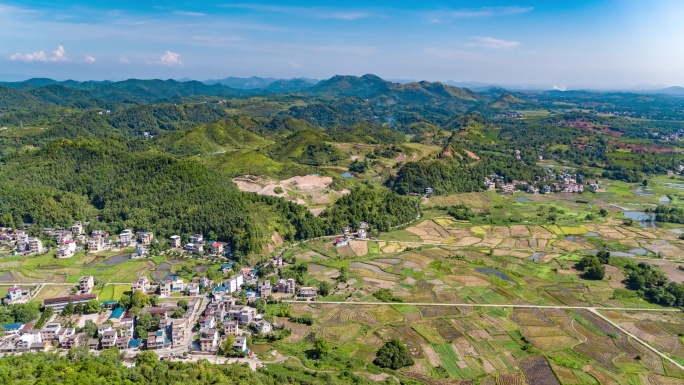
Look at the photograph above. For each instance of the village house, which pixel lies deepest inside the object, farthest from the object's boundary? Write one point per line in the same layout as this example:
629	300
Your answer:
197	238
108	339
226	268
13	328
122	342
234	283
72	341
86	284
247	315
175	241
141	284
217	248
126	236
240	344
16	294
67	249
263	327
286	286
194	248
308	292
141	250
265	289
146	237
77	228
209	340
179	328
126	327
50	332
96	243
207	322
192	289
158	340
93	343
361	234
62	236
231	327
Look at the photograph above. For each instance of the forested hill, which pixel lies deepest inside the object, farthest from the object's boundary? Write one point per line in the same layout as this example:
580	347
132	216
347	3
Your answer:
114	185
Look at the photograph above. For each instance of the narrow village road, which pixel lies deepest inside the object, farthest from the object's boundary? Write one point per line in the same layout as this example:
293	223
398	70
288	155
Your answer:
482	305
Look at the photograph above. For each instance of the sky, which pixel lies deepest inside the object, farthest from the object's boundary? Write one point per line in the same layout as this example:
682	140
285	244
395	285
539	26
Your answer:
562	44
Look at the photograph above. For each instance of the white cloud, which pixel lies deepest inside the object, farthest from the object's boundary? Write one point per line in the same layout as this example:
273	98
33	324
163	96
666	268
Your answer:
446	15
492	42
169	59
58	55
89	59
294	65
124	60
185	13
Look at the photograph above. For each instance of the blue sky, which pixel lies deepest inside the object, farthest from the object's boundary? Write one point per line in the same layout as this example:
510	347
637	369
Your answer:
580	43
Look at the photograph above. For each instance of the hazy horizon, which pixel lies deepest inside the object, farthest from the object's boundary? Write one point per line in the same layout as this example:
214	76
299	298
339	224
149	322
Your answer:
579	45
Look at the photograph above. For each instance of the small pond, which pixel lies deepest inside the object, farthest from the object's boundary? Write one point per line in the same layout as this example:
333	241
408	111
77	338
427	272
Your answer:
536	257
592	234
6	277
391	261
523	199
570	238
497	273
117	259
664	199
373	268
642	218
347	175
674	185
644	191
640	251
200	269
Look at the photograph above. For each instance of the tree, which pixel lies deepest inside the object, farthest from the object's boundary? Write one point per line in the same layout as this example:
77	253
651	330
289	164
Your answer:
343	274
321	347
25	312
393	355
68	310
644	183
147	357
140	332
2	331
227	345
183	303
92	306
154	299
603	213
139	300
603	256
145	321
592	268
324	289
90	328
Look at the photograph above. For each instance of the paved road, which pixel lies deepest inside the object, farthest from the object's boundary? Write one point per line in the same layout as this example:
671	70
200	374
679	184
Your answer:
656	351
483	305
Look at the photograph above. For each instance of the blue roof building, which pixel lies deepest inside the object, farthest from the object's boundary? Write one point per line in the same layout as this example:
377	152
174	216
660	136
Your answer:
117	313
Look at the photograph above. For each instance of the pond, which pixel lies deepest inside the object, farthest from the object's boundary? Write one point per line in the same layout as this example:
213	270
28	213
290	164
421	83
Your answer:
536	257
570	238
261	348
614	253
592	234
314	267
523	199
642	218
347	175
644	191
391	261
664	199
373	268
117	259
6	277
640	251
674	185
495	272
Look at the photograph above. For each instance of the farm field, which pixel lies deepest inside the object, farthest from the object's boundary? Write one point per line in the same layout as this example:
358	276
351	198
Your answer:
499	261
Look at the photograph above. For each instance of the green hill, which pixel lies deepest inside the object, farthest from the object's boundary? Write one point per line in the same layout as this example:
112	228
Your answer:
222	135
